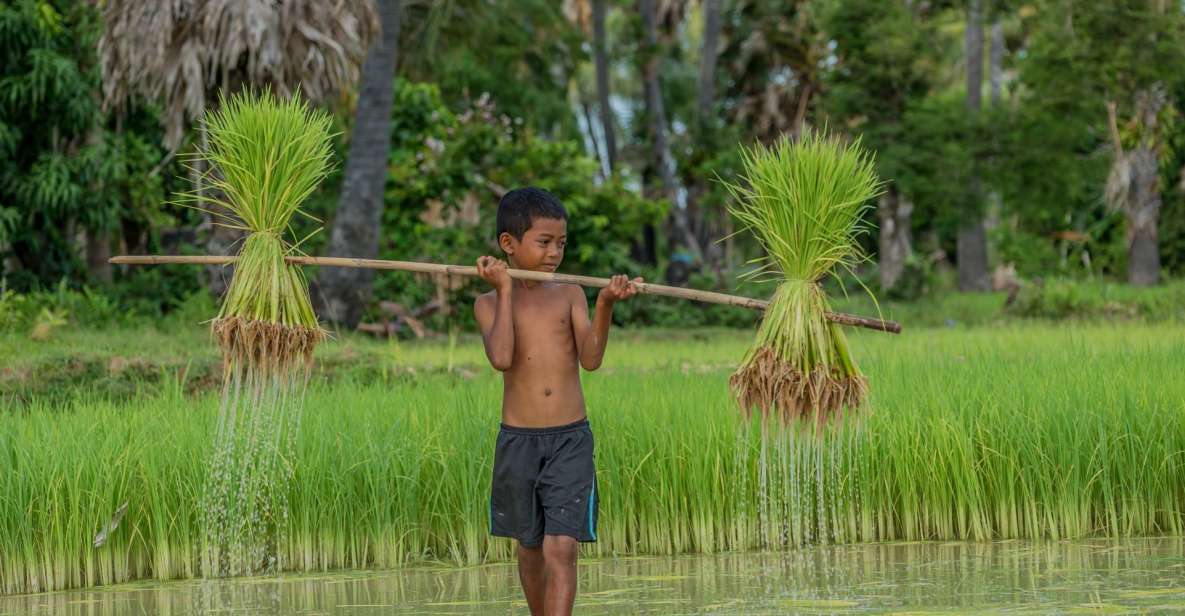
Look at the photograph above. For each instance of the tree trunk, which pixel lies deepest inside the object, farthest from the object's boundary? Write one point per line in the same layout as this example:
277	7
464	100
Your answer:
971	249
701	227
659	149
972	239
592	129
996	61
98	250
601	56
1142	214
1133	184
995	203
343	293
706	97
893	210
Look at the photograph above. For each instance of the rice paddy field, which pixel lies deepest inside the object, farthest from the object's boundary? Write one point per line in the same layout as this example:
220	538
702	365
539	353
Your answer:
1026	431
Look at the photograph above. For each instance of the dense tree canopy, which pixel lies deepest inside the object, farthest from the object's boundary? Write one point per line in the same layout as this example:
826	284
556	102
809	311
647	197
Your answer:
631	111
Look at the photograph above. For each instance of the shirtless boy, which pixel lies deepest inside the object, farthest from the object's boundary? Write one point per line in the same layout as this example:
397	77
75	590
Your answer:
538	334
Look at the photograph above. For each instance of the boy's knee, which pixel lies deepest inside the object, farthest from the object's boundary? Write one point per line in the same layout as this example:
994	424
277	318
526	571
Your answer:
530	551
560	549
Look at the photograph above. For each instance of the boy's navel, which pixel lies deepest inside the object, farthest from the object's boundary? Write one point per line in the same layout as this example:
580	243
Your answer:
546	391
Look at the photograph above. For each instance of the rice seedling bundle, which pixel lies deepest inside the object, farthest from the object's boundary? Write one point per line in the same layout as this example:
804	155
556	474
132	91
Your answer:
803	200
265	157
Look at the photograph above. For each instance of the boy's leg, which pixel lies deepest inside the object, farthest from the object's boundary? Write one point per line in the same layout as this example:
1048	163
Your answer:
567	488
515	510
532	574
559	554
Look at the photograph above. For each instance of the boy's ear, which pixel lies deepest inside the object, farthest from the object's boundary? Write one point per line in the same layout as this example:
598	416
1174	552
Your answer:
507	242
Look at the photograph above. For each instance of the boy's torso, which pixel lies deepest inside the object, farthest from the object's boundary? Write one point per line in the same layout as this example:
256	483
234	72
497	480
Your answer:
542	386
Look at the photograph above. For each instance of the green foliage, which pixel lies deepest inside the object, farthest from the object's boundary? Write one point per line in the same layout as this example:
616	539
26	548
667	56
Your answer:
652	311
64	166
1061	298
521	57
1112	50
918	279
889	86
884	69
1171	230
87	308
938	173
267	156
1056	148
46	112
444	175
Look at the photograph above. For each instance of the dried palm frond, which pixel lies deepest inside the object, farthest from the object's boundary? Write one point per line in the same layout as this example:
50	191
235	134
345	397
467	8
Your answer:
183	52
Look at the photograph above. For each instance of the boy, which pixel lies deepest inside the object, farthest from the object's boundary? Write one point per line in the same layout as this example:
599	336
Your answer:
538	335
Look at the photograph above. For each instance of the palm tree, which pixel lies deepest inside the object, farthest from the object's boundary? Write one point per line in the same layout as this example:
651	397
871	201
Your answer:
662	184
773	52
183	53
601	56
971	247
342	293
1133	182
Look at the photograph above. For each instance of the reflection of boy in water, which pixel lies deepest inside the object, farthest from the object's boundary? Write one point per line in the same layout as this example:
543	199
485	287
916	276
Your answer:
538	334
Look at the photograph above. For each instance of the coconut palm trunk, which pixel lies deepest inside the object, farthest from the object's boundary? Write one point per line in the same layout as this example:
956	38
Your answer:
704	228
1133	185
601	59
972	238
706	91
342	294
659	148
1142	215
893	211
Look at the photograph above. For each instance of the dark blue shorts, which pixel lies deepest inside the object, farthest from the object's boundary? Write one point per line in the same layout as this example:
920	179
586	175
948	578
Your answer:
545	483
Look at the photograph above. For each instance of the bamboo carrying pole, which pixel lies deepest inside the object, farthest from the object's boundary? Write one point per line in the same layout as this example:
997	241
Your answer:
468	270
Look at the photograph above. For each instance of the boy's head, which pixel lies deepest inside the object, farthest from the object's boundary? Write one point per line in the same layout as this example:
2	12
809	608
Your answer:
532	229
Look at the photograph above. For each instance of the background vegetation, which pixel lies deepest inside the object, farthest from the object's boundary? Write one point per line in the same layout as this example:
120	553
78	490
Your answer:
1024	143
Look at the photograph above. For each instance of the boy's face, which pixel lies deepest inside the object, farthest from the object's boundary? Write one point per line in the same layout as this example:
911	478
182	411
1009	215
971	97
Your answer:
542	246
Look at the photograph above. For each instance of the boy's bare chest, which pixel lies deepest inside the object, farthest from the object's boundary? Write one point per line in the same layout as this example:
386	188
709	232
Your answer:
543	317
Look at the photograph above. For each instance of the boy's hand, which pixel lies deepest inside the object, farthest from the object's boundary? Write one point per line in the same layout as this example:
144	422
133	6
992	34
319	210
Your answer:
619	288
494	272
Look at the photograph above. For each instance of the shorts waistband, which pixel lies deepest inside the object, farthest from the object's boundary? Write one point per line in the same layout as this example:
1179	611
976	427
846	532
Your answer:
579	425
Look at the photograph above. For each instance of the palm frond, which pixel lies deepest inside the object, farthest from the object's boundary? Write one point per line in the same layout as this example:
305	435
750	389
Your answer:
183	52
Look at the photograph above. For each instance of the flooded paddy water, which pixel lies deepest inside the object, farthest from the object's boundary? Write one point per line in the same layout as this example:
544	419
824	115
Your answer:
1100	576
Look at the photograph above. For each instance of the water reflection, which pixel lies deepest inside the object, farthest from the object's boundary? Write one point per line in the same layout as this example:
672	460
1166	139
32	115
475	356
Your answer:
1097	576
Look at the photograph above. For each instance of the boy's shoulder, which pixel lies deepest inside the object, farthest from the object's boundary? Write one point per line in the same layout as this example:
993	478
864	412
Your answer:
569	288
572	292
485	297
566	289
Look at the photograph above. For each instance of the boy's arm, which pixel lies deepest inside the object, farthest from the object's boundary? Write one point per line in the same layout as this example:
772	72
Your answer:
494	314
591	338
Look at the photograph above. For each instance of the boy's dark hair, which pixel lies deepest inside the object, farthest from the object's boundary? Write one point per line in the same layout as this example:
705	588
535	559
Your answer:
520	207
